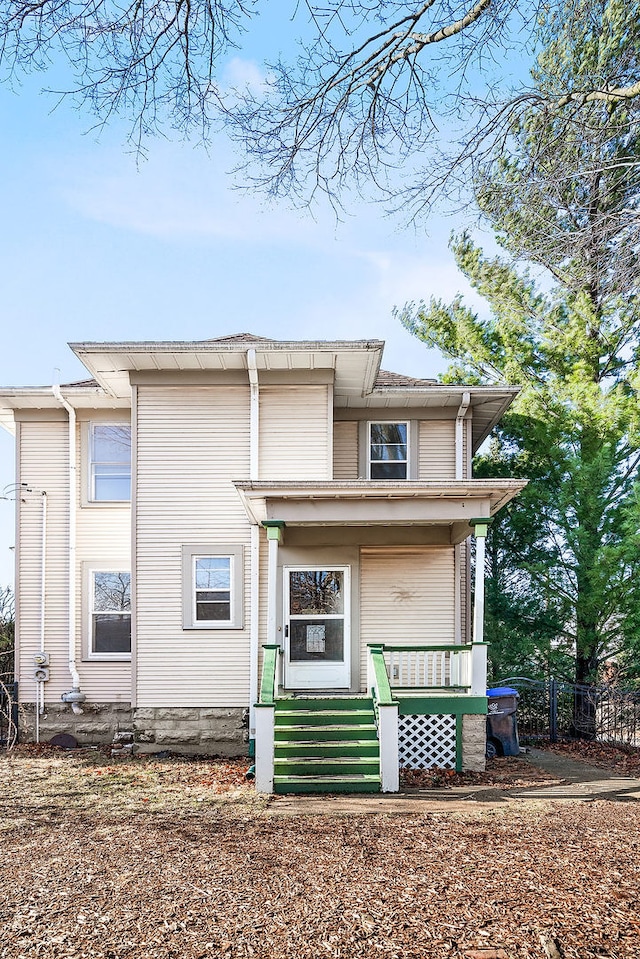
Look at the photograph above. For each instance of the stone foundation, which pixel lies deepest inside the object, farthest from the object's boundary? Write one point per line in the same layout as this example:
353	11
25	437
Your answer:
474	739
97	723
199	730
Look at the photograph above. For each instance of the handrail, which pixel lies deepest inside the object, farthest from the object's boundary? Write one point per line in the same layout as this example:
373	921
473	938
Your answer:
431	647
382	688
269	669
454	667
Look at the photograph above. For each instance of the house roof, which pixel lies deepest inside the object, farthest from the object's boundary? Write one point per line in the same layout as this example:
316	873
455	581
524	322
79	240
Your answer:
353	366
241	338
387	379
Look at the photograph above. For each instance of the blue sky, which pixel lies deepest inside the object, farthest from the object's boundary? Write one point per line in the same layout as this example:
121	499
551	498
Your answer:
96	246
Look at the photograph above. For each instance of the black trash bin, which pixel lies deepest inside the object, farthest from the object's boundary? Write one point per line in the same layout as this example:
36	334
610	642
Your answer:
502	727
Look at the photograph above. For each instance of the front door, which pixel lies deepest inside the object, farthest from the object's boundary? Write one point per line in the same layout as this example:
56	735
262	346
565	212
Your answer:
316	617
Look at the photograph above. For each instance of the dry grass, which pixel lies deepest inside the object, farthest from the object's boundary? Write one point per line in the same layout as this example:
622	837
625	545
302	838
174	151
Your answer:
169	859
43	780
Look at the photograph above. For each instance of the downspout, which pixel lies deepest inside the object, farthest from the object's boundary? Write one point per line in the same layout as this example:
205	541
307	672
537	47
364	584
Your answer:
254	461
462	412
457	552
74	697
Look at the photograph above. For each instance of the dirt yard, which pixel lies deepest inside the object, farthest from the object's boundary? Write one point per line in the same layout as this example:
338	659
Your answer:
162	858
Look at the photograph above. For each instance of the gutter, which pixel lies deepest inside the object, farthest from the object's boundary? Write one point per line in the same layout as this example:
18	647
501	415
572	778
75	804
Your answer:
74	697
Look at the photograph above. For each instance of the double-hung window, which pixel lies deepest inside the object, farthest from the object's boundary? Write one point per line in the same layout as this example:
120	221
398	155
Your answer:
212	587
388	445
110	462
110	613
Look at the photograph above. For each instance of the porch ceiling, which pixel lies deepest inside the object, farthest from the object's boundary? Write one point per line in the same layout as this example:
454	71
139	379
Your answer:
362	503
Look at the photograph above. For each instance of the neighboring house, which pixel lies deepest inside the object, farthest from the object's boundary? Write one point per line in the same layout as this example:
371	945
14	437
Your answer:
245	539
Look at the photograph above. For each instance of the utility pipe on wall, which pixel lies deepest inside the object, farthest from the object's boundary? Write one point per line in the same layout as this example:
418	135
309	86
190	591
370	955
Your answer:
43	594
254	466
75	696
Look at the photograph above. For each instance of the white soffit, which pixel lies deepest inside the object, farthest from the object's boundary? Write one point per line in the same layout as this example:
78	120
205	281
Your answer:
355	364
488	403
42	398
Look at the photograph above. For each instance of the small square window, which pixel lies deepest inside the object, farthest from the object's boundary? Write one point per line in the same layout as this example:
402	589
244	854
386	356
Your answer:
110	615
388	451
110	462
212	587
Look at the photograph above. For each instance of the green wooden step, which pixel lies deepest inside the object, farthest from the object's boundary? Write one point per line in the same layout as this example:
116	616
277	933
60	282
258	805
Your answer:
322	733
287	785
328	747
342	703
323	766
333	717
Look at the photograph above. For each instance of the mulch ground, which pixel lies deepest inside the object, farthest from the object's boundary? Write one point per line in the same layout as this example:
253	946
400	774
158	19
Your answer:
163	858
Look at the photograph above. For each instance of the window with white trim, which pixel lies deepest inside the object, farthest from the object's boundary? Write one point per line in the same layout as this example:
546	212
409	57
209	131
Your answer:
212	587
110	614
388	448
110	462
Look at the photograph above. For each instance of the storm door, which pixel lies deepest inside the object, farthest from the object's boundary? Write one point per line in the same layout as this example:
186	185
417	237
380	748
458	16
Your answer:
316	617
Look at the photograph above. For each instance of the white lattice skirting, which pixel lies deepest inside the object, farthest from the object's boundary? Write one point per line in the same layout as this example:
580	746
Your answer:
427	742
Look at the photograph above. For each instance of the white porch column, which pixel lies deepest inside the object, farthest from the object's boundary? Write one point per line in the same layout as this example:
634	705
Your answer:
274	528
389	760
265	722
479	651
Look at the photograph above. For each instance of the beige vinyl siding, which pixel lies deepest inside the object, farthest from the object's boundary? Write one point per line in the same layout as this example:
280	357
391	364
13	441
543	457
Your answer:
103	537
466	449
191	445
406	597
465	591
437	450
42	450
103	542
345	450
264	597
295	440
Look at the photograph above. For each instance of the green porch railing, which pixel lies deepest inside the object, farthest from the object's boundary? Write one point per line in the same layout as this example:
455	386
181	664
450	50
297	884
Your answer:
386	708
269	673
379	677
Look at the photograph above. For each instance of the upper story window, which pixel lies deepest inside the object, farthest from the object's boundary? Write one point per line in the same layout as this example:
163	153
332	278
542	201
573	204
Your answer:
110	629
388	451
110	458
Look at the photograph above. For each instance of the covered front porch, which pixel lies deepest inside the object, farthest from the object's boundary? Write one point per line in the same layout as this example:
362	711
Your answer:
373	658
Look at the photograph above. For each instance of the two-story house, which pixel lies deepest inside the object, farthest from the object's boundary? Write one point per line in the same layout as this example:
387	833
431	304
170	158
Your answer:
242	538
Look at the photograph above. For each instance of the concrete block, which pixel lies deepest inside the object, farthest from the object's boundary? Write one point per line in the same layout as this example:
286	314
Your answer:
473	743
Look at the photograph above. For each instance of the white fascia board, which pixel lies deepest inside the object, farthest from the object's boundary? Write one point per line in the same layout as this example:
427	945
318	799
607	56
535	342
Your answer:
486	497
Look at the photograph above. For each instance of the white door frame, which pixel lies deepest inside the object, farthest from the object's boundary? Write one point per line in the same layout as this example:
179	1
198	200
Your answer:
325	674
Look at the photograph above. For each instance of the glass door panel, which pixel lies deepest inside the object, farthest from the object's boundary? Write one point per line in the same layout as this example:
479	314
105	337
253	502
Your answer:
317	652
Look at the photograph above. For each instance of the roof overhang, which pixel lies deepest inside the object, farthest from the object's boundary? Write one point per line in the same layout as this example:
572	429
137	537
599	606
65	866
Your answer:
90	397
487	404
362	503
355	364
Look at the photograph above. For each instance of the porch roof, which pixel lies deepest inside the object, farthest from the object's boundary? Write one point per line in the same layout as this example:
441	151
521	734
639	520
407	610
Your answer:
363	503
